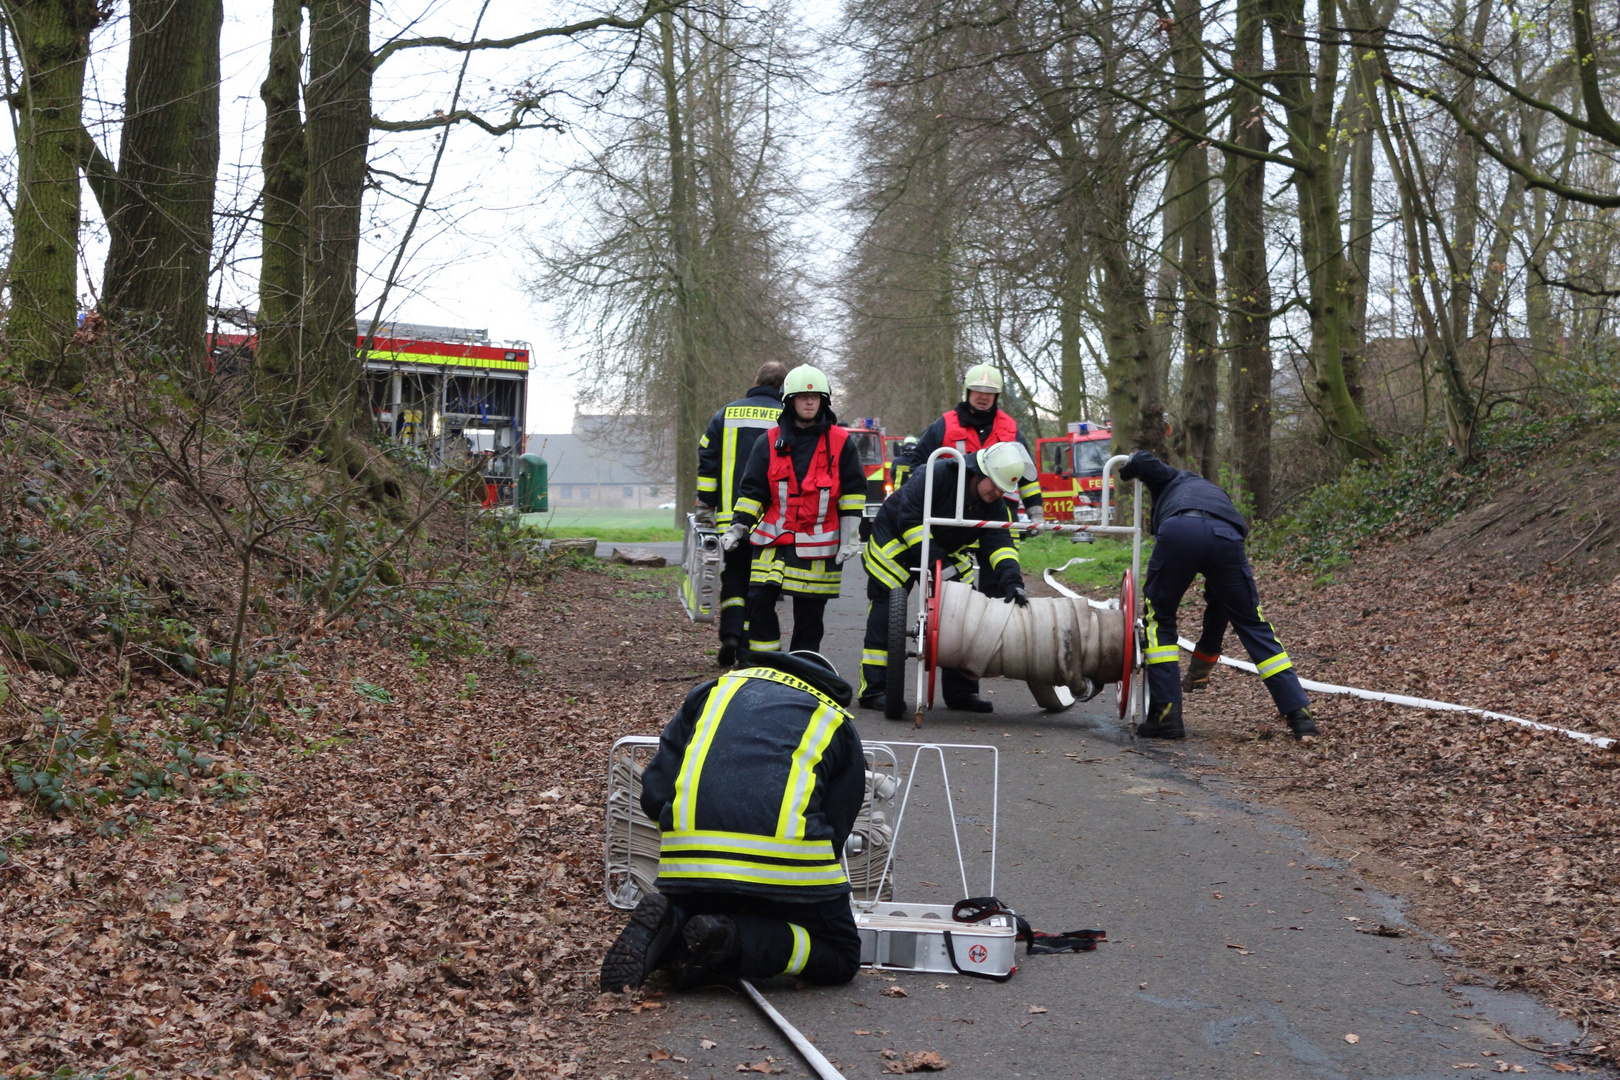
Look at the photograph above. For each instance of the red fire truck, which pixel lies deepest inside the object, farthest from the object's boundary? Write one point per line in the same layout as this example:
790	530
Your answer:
1071	468
873	446
443	389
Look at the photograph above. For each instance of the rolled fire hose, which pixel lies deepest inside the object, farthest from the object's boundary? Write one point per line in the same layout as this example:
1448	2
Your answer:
1055	641
1602	742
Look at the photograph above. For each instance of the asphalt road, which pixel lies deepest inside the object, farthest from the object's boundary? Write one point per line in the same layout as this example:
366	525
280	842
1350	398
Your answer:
1233	946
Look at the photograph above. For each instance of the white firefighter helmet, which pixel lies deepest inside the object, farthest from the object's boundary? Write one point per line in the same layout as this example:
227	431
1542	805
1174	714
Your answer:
805	379
982	377
1005	463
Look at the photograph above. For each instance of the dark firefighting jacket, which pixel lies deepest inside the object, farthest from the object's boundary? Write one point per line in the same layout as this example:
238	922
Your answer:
726	444
1175	491
897	530
757	783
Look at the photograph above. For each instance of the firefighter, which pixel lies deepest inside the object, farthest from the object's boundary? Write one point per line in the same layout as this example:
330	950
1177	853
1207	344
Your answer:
976	422
1197	530
900	467
893	553
755	787
722	453
802	494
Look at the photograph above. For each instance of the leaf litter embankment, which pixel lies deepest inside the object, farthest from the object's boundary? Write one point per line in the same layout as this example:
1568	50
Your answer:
1505	842
413	884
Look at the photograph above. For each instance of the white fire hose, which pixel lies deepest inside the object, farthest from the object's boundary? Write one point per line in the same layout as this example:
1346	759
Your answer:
1602	742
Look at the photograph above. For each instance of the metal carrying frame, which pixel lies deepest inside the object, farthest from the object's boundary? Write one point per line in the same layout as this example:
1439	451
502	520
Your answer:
1132	697
701	559
894	934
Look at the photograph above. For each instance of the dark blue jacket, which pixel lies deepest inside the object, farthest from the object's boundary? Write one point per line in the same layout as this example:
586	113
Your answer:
774	784
723	451
1174	491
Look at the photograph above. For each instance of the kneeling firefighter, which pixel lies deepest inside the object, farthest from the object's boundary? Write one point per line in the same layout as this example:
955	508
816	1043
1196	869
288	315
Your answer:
755	786
895	549
1197	530
802	494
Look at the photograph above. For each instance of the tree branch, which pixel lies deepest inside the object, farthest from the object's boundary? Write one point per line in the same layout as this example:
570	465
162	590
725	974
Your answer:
606	22
514	122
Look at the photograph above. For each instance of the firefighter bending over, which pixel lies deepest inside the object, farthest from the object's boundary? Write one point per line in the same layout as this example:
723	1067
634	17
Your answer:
722	453
1197	530
755	786
893	554
802	493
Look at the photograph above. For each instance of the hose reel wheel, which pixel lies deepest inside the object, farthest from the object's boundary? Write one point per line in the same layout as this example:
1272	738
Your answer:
1127	607
894	685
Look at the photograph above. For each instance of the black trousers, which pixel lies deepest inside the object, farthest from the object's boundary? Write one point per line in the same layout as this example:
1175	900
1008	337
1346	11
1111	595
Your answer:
734	592
764	627
875	649
1184	547
816	942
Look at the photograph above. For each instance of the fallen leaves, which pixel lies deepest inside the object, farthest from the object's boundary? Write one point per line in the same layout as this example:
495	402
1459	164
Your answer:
915	1061
1502	839
309	918
767	1066
1037	1008
894	991
1352	1038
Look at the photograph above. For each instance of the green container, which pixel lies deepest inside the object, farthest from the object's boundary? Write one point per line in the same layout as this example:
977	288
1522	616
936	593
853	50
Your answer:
531	485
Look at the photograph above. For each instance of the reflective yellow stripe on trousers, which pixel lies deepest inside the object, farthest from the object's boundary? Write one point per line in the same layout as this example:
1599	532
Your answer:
801	950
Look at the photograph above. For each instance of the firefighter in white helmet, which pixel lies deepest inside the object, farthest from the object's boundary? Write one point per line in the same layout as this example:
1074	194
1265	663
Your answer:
895	549
977	422
802	494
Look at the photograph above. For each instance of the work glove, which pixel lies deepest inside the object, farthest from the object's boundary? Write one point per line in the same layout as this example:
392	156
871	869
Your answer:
1036	512
733	536
703	516
1016	595
849	535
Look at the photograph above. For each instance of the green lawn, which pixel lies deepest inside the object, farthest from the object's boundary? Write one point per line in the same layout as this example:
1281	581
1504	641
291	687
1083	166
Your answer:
622	526
1099	577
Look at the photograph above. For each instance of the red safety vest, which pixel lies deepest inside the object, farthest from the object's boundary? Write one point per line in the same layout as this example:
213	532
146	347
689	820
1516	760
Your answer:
1003	429
804	514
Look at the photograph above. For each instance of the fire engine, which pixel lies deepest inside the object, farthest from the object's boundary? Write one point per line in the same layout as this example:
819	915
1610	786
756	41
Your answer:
1071	468
873	446
452	392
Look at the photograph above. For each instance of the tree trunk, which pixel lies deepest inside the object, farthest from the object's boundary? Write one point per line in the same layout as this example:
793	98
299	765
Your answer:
689	421
161	224
337	131
285	160
1308	105
1200	324
1248	285
53	37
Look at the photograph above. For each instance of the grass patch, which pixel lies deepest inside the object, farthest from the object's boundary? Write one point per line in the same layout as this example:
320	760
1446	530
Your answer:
1109	559
613	526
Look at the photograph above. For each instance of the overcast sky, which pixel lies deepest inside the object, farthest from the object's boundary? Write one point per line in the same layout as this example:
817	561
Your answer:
468	260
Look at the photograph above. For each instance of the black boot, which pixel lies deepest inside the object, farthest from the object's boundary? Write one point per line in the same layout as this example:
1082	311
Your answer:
1302	724
1163	722
872	701
1197	676
709	951
641	945
972	703
727	656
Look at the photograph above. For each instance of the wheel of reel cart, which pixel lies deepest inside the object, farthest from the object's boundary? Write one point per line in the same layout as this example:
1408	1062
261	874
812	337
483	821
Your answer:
894	686
1127	607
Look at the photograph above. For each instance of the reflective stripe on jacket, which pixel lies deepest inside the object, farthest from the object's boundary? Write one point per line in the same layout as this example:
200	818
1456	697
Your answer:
726	444
804	513
756	785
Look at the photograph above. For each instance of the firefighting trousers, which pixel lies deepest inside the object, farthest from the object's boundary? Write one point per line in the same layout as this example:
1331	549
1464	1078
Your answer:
734	593
875	650
1188	545
765	630
816	942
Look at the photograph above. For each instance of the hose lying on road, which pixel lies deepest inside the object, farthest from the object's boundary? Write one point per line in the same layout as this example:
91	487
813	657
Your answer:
1602	742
